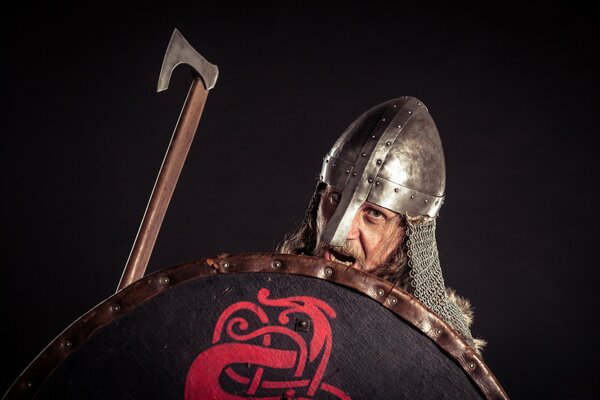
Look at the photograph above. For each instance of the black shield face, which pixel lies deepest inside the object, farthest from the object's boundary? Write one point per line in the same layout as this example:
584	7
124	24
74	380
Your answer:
283	333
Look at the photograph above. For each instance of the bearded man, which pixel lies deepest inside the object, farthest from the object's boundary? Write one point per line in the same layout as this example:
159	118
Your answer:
375	206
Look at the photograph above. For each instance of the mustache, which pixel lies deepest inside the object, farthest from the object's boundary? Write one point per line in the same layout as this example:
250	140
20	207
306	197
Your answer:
349	248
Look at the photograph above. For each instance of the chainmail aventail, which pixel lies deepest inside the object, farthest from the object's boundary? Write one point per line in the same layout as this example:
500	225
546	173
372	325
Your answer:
427	281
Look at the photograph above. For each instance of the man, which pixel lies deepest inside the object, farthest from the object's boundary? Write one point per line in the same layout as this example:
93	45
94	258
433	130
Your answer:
375	206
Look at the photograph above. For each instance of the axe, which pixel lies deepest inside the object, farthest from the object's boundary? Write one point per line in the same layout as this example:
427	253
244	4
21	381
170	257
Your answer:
204	74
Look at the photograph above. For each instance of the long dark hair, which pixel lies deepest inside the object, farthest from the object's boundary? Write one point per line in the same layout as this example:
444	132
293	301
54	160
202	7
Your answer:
304	240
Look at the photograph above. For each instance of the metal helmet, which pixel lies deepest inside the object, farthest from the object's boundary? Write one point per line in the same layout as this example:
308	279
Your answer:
391	156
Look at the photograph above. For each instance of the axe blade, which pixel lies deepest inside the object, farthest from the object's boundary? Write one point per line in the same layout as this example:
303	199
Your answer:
179	51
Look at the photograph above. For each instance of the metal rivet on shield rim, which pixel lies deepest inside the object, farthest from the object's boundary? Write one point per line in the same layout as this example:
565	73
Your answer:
364	154
410	112
67	344
28	384
395	106
328	271
302	324
388	143
115	307
393	300
426	201
163	280
276	264
380	292
438	331
225	264
373	136
471	365
347	171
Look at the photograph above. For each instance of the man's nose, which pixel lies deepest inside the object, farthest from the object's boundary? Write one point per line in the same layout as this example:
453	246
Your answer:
354	232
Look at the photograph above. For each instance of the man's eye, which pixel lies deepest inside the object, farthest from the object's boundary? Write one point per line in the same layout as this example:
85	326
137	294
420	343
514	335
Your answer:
336	197
375	213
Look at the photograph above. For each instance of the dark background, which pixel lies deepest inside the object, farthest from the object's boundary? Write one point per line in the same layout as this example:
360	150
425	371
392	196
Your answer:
512	90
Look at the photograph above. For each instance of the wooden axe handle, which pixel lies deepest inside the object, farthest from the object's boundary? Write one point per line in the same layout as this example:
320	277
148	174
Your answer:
165	183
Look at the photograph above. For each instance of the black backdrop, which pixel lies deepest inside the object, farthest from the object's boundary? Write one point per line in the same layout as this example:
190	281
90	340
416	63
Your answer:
512	91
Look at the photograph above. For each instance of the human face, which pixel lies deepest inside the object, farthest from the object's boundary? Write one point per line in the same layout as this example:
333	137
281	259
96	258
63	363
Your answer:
375	233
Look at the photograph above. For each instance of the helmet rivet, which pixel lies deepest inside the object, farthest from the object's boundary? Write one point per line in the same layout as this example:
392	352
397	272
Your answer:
378	162
400	126
410	112
364	154
426	201
418	104
412	196
370	180
396	190
354	174
377	183
383	119
347	171
276	264
388	143
373	136
395	106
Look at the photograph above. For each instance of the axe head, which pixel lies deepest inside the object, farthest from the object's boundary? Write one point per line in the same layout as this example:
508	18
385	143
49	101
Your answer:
180	51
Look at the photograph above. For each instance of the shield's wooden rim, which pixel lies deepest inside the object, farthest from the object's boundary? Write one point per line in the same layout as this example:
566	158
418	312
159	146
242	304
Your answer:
398	301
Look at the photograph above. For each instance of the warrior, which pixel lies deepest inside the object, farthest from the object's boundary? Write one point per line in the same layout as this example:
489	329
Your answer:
378	195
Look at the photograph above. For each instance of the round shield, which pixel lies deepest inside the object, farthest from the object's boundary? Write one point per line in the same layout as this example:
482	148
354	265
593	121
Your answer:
259	326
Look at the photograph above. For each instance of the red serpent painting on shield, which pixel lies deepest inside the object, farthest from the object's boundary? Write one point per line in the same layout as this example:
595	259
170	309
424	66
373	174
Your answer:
242	356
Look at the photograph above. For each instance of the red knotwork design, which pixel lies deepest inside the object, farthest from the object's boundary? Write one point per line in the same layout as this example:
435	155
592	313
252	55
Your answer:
251	352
